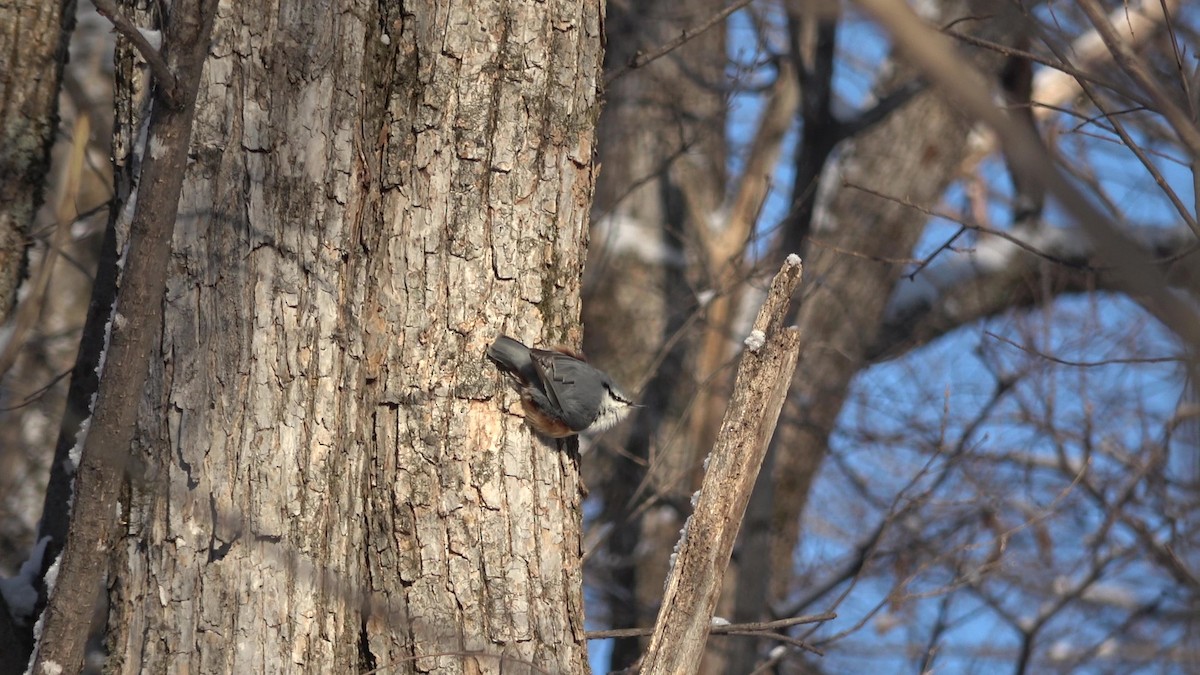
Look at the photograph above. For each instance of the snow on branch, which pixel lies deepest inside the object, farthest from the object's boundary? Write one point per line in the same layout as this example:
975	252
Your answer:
994	277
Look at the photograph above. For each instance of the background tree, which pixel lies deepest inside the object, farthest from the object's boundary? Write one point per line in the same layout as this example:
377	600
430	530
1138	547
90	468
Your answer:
661	145
33	41
917	343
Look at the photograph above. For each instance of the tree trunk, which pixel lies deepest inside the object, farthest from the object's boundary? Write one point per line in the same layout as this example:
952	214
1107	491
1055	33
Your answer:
33	50
328	478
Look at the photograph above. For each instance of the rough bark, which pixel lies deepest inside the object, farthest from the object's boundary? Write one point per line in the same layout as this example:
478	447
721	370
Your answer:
133	336
41	334
33	51
330	478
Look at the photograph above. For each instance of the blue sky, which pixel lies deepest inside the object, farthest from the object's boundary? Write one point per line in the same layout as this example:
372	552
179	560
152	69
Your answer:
937	390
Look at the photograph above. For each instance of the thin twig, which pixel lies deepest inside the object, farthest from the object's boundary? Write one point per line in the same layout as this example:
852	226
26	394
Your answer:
33	397
1083	364
642	59
881	110
1083	264
799	644
1059	65
25	319
1119	129
158	65
1135	67
720	629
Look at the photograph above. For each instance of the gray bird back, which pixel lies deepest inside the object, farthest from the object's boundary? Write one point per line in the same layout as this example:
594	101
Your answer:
574	387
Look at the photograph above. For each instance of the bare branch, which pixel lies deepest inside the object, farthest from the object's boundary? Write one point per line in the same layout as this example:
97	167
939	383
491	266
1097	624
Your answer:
694	584
1082	364
1124	55
996	276
1162	183
31	307
108	9
1048	93
876	113
1060	82
642	59
84	564
1134	271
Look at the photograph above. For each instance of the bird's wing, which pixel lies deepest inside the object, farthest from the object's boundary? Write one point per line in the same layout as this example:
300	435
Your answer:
558	374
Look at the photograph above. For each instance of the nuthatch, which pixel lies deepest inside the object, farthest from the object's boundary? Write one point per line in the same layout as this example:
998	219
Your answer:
562	394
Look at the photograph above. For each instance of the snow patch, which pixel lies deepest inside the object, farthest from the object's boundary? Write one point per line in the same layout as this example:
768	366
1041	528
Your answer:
76	453
833	176
755	340
619	234
20	592
990	255
154	37
158	148
52	575
683	533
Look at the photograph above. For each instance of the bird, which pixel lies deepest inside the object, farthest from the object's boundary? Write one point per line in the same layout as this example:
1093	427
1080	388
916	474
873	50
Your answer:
561	393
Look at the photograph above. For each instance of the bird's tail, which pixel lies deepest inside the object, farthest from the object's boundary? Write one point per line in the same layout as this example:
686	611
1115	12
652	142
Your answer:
512	357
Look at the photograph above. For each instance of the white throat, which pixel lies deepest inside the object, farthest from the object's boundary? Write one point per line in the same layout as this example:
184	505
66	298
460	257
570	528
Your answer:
611	411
